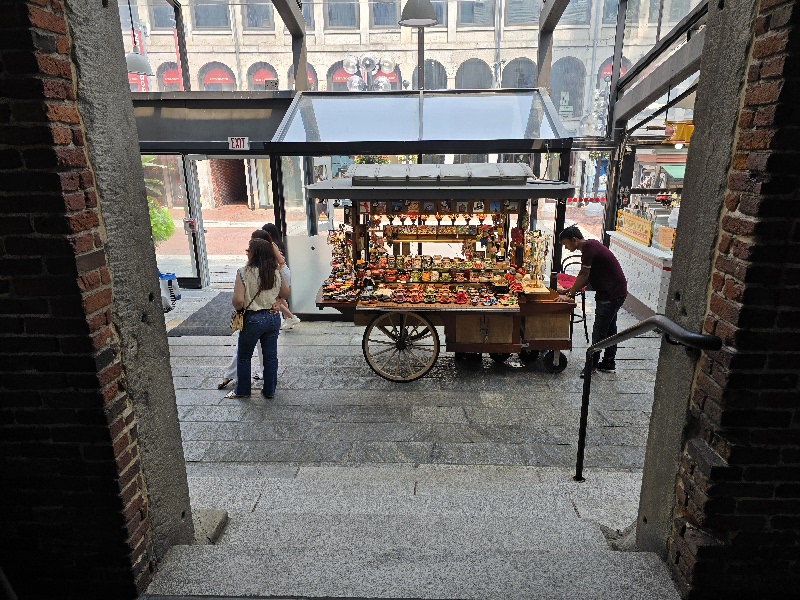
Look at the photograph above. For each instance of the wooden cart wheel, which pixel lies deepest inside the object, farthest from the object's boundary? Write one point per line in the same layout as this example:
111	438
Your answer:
549	360
528	357
400	346
499	357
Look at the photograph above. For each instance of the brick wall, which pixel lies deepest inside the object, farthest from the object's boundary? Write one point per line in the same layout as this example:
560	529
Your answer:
228	181
737	517
74	509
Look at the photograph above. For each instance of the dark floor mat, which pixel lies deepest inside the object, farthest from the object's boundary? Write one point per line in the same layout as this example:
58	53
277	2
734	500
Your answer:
213	319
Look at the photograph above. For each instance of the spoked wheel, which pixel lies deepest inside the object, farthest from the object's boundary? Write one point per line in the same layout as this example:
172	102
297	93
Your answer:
550	359
528	357
400	346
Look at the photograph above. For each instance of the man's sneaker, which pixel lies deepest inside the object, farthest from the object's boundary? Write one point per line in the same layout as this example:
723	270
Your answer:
583	372
606	367
289	323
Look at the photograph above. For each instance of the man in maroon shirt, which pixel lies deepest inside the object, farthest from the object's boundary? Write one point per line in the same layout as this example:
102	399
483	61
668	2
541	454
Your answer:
600	269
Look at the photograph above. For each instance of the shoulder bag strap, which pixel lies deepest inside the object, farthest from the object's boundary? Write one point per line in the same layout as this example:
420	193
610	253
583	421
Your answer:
245	289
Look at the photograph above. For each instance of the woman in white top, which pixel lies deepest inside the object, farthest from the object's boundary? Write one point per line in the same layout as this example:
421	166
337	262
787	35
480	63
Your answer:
230	372
258	285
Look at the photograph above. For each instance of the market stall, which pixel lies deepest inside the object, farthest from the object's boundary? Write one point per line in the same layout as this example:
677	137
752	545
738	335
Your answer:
486	288
646	226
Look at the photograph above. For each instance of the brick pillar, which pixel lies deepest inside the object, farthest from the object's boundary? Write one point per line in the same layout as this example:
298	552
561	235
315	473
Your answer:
737	514
229	182
74	507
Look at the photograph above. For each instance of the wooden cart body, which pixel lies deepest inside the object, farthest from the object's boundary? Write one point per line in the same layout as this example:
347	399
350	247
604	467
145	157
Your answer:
539	323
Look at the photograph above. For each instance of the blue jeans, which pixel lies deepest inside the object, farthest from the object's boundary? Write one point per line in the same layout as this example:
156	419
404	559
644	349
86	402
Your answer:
605	325
263	326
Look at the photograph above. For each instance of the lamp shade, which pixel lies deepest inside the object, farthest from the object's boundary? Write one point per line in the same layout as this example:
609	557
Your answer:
418	13
137	63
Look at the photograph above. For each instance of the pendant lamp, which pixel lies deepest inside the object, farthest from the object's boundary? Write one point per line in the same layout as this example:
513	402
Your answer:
418	13
137	64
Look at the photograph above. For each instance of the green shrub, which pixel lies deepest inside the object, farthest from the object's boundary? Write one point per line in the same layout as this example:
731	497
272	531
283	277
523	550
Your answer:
160	221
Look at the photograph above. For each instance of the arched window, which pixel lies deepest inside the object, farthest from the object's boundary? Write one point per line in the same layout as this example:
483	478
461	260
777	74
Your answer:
312	78
604	72
519	73
473	74
337	78
435	76
567	81
259	74
216	77
169	77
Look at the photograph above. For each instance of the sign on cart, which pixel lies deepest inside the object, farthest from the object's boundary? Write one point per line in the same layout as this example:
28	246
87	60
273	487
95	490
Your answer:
238	143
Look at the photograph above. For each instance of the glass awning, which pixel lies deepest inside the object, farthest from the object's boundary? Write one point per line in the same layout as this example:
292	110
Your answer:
421	122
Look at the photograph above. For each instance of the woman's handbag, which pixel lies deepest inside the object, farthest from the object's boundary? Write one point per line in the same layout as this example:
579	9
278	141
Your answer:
237	316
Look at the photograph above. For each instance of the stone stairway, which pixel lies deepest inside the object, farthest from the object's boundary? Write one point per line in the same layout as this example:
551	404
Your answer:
399	531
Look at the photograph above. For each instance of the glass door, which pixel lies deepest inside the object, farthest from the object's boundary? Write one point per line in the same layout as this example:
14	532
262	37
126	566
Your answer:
174	223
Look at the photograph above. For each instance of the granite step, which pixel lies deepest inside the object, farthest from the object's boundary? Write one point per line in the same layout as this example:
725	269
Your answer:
573	574
447	530
428	531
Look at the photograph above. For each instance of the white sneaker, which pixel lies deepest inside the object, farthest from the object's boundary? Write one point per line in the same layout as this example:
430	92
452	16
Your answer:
289	323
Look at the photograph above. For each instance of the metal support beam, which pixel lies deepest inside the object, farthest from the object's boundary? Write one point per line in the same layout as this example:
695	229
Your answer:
564	167
278	203
311	205
292	16
421	59
551	13
291	13
300	63
687	23
183	55
545	58
548	19
671	72
620	178
622	13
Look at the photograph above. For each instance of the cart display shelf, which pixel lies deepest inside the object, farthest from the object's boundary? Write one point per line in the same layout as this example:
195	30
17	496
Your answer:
437	306
408	237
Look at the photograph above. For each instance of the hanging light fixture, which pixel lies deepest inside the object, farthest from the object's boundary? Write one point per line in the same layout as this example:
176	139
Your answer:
137	64
418	13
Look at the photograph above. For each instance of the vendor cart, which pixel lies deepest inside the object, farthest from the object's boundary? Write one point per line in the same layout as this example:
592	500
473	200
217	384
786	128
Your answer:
494	301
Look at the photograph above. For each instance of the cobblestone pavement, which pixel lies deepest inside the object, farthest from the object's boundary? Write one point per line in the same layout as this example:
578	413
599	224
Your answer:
331	409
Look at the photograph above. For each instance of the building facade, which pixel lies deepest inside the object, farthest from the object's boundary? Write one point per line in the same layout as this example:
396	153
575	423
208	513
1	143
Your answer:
478	44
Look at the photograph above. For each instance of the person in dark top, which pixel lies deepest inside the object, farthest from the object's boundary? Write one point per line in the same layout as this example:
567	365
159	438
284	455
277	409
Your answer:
600	269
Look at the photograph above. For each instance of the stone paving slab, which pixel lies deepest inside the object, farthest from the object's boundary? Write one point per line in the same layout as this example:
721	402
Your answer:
331	408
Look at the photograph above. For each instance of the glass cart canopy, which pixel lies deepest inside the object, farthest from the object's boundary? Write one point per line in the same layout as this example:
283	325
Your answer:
423	122
440	182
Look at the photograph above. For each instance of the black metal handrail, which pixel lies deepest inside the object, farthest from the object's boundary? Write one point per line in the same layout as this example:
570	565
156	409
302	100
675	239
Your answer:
675	334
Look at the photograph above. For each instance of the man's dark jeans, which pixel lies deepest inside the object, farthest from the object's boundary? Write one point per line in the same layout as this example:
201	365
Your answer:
605	325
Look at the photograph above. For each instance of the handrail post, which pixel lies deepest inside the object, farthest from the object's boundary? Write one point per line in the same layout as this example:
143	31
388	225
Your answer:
665	327
587	386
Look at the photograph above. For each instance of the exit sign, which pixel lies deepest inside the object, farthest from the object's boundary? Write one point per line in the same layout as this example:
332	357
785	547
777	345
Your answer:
238	143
